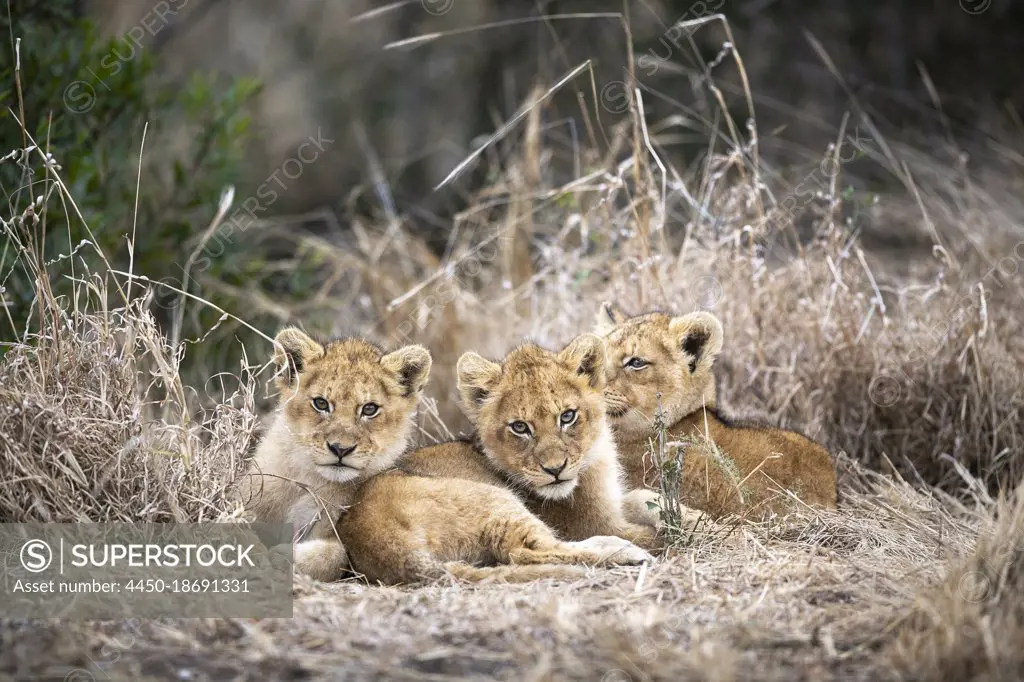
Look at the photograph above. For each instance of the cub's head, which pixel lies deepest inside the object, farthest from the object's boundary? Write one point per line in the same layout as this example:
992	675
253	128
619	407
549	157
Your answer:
539	415
346	406
653	353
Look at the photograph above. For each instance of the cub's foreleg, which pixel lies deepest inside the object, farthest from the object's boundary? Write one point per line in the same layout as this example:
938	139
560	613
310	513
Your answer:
516	536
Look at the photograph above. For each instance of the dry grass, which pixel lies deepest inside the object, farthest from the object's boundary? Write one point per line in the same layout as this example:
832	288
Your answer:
969	627
96	425
822	596
898	360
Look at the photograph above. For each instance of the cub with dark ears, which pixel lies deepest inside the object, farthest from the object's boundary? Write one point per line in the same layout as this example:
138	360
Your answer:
345	414
674	356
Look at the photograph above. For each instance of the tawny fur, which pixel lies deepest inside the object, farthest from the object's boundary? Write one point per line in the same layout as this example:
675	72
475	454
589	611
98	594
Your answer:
295	475
677	355
404	529
400	527
538	388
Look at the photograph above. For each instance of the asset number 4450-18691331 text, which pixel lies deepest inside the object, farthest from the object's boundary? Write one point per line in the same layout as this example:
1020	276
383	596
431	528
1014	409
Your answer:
184	585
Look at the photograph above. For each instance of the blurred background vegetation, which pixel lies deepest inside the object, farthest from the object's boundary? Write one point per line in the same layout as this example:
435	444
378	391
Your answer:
398	94
86	99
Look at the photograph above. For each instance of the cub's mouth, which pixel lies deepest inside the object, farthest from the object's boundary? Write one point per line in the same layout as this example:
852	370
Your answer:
615	404
340	473
339	466
556	490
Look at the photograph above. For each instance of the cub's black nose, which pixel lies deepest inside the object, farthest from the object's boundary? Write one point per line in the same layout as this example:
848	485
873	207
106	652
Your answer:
555	471
340	451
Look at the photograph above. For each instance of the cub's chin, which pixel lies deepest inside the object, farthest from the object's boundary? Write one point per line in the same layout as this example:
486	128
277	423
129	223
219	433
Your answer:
632	423
556	491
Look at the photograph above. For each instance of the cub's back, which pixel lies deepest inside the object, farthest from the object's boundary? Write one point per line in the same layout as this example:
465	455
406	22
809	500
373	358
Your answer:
817	471
403	528
804	466
459	459
417	511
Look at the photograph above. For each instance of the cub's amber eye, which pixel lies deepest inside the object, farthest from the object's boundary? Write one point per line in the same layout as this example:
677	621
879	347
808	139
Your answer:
321	404
636	363
519	428
370	410
567	418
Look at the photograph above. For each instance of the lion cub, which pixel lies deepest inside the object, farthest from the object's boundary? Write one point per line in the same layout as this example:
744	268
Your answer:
405	529
344	415
541	430
656	353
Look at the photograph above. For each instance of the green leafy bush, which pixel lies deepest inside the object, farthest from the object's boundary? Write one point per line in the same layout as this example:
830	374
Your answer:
87	101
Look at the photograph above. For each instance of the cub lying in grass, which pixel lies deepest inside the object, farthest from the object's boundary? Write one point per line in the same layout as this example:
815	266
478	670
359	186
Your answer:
657	353
541	430
345	416
404	529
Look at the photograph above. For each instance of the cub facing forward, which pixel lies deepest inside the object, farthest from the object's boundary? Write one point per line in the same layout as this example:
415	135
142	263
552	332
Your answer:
345	414
657	353
541	430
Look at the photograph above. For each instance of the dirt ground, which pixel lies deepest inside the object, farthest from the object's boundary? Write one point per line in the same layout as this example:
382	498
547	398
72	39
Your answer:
820	596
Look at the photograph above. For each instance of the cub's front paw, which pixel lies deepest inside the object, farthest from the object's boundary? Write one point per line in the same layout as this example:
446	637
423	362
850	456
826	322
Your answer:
321	560
615	551
643	507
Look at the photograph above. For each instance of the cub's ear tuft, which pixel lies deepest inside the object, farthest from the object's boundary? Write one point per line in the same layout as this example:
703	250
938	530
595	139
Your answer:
411	365
586	354
699	336
293	350
609	315
476	378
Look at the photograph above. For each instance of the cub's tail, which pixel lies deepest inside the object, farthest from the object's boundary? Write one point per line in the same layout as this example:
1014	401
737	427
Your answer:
510	573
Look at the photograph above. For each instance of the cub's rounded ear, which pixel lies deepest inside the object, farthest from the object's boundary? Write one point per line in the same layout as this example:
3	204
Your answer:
476	377
585	354
609	316
699	336
411	364
293	350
